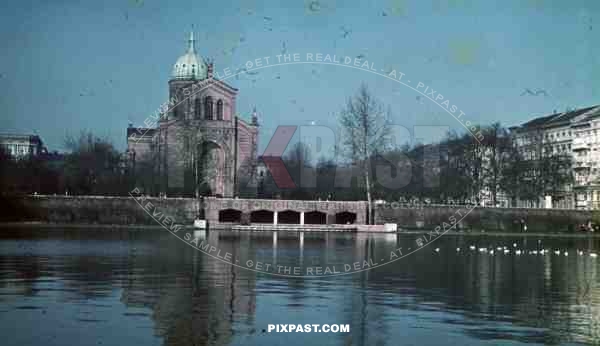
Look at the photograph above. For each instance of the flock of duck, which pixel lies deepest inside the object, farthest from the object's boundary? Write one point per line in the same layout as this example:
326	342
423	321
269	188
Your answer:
515	250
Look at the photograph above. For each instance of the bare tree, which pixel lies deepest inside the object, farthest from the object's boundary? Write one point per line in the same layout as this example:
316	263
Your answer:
299	154
498	150
514	174
92	166
365	130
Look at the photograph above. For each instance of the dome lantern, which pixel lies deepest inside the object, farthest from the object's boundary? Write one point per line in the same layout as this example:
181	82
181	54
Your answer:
190	65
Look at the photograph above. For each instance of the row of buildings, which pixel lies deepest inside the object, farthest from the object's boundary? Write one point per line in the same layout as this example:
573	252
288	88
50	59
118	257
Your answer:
575	133
167	153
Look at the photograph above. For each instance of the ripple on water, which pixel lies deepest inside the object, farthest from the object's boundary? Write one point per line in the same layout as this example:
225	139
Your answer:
295	305
136	314
90	320
29	307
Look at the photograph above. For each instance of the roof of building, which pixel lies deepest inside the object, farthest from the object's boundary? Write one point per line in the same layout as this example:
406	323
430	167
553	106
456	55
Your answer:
18	136
251	120
564	118
540	121
140	131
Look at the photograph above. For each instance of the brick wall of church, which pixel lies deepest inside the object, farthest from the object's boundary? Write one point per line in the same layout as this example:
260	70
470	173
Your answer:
246	140
175	157
172	156
246	165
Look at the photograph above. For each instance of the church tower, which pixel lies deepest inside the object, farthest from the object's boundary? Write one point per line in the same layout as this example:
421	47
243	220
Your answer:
202	144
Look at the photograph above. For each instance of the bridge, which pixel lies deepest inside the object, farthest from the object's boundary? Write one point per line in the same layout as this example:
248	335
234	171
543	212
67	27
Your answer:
288	212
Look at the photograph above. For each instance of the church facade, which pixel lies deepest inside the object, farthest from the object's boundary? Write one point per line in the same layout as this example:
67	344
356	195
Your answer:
199	145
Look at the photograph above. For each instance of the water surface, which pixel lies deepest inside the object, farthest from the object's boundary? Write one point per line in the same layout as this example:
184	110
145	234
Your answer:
117	287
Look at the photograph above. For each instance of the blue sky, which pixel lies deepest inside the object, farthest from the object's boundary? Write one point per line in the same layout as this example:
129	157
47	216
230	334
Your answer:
72	65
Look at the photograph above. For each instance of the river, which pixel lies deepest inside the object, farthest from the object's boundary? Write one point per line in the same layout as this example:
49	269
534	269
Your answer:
146	287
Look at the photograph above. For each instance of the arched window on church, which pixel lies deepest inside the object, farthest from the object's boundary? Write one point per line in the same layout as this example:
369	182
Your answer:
220	110
208	108
198	109
176	112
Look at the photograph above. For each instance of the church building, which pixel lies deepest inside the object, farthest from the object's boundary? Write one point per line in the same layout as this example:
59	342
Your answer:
198	144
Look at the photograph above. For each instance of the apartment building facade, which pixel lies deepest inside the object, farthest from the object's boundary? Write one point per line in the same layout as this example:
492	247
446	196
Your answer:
575	133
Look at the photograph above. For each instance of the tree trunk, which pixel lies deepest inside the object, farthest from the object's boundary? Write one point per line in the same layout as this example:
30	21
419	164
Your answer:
494	191
369	204
368	167
196	187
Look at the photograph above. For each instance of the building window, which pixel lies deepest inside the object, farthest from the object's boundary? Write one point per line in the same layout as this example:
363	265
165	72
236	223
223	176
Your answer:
208	108
220	110
198	109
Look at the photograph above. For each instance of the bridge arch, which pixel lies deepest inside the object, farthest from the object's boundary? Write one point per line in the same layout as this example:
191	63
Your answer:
261	216
288	217
230	216
315	217
345	217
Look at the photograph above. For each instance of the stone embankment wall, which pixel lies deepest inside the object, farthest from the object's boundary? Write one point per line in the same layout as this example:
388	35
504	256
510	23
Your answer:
109	210
129	211
469	218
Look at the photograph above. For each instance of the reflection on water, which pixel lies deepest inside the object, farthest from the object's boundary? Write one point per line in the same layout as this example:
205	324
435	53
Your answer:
92	287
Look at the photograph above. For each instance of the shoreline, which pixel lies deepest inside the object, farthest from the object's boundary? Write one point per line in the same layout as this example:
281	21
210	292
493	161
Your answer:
63	226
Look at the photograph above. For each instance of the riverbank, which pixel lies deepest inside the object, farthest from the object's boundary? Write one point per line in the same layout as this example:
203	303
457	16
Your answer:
472	233
127	212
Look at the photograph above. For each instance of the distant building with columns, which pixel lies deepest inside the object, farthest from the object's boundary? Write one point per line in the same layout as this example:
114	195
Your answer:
198	122
21	146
